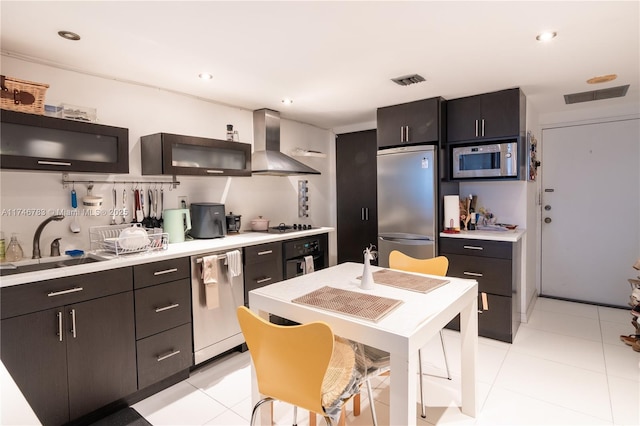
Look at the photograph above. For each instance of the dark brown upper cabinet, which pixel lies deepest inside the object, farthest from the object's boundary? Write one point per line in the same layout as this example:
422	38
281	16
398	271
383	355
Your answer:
169	154
495	115
410	123
38	142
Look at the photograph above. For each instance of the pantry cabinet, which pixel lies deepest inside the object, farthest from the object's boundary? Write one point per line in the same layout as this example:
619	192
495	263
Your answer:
410	123
62	337
356	194
38	142
169	154
495	265
496	115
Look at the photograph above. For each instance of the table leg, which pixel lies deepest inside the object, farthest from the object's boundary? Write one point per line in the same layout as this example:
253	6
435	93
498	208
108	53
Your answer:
402	391
469	356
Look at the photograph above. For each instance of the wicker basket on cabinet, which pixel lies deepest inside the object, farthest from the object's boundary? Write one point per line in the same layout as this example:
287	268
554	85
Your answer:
13	85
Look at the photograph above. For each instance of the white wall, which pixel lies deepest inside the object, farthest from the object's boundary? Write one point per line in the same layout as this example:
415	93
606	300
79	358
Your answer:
145	110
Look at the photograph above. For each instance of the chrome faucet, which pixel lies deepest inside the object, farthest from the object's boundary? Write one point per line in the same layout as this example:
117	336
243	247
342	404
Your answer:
36	236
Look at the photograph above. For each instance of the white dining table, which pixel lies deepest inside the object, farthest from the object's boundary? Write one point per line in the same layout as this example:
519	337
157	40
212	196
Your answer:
402	332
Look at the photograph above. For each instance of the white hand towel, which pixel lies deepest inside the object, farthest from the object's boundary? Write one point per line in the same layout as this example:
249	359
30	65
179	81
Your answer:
234	263
210	280
308	265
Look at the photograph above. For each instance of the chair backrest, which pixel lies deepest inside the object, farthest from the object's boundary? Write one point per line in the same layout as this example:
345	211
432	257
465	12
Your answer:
435	266
290	361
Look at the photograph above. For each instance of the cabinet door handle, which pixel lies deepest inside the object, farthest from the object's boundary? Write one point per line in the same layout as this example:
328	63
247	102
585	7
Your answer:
401	133
166	271
54	163
61	292
215	171
473	274
485	301
59	315
73	322
366	210
263	280
473	248
476	128
362	213
482	127
169	355
261	253
166	308
406	133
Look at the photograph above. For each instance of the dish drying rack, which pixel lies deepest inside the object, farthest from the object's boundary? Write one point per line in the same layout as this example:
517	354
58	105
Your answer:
106	239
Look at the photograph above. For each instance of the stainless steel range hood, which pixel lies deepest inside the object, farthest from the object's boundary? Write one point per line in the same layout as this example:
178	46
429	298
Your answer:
267	158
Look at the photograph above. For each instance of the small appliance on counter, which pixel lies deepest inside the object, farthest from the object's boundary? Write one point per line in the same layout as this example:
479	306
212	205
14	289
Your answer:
176	222
208	220
233	222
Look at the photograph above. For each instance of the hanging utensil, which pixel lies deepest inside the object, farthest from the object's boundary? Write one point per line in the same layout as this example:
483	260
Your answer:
138	207
124	206
145	219
154	208
114	206
160	220
74	226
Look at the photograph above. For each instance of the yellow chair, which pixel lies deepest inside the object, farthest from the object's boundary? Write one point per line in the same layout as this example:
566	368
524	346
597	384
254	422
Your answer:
304	365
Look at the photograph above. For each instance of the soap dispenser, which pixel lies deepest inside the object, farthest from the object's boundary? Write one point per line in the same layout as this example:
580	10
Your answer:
14	251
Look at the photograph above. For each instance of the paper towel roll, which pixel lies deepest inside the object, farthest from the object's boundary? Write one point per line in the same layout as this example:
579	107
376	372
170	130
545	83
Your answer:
452	212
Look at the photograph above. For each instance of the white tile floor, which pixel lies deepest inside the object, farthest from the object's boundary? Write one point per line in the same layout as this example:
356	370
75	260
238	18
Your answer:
567	366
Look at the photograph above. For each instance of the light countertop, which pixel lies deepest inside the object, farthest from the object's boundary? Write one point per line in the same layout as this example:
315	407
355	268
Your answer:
510	236
187	248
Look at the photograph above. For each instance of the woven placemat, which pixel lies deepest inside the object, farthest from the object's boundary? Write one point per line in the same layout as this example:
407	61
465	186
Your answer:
407	281
360	305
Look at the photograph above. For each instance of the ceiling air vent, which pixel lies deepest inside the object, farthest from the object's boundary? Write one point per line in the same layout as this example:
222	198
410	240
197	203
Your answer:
596	95
408	79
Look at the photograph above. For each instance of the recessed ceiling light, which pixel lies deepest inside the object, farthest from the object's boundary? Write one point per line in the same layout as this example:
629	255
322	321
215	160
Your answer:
546	36
287	101
69	35
205	76
602	79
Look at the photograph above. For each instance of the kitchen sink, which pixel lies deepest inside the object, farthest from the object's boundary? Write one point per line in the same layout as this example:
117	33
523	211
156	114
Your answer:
8	269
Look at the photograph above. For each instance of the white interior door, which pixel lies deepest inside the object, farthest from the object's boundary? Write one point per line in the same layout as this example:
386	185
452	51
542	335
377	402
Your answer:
590	211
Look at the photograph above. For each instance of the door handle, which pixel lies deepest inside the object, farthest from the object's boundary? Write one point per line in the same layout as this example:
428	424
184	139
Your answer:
73	323
169	355
59	315
482	127
166	308
60	293
476	128
166	271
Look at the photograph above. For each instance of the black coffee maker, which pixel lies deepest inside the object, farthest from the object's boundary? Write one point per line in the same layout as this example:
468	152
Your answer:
233	222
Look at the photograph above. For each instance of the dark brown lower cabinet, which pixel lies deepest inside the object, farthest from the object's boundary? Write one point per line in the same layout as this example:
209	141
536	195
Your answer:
37	361
74	358
495	265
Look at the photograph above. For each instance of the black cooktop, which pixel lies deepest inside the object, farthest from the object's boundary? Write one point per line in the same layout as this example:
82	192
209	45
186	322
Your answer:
282	228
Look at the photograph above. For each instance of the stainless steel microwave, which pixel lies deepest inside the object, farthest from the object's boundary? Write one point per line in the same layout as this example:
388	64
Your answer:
485	160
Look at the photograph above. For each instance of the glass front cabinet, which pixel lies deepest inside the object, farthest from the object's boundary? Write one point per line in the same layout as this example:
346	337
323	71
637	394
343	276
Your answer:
169	154
38	142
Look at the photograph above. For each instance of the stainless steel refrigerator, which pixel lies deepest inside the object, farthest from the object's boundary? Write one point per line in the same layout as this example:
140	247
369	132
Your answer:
407	202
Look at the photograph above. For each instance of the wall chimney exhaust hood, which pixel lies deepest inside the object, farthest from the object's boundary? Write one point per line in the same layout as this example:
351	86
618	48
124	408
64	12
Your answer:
267	158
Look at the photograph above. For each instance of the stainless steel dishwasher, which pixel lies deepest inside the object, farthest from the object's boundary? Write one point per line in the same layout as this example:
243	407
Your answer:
215	330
